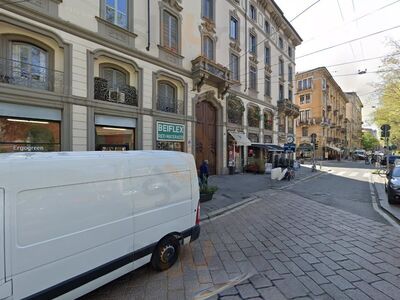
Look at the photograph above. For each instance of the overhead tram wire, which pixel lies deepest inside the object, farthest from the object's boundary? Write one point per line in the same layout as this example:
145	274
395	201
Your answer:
353	40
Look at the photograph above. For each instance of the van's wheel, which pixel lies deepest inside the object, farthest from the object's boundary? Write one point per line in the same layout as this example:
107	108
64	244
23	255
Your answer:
165	254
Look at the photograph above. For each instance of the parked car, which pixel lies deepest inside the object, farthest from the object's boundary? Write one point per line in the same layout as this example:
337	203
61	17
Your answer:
359	154
392	159
392	185
73	221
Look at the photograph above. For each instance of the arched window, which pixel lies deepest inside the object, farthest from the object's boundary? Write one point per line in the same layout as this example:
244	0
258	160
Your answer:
208	48
235	111
30	65
167	98
253	116
268	120
115	78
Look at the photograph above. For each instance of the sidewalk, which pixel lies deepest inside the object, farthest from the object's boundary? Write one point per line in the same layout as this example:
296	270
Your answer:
392	210
234	190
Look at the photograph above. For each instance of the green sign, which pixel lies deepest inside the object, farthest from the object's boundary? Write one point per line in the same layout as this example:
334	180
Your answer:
170	132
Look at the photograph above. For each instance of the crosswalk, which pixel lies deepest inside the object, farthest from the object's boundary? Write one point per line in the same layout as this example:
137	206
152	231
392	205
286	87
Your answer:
350	173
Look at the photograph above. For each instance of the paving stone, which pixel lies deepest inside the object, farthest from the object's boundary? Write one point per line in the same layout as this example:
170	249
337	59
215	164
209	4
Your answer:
260	263
278	266
273	275
390	278
340	249
311	285
271	293
247	291
357	295
334	292
387	288
232	291
317	277
323	269
303	265
366	276
348	275
293	268
250	251
230	298
369	257
340	282
330	263
219	277
260	281
309	258
365	264
349	265
282	257
389	268
335	256
371	291
291	287
238	256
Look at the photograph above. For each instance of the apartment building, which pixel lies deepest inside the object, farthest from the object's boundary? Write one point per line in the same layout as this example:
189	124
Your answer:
197	76
354	126
323	113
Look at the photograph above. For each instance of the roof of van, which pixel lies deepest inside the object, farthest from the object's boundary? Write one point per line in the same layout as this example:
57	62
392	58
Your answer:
91	154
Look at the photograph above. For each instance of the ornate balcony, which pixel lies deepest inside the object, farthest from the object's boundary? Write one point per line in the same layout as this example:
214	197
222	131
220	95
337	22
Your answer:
19	73
125	94
288	107
208	71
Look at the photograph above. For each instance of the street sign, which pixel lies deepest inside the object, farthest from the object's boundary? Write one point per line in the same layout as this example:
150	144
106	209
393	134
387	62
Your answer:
170	132
289	147
385	127
290	139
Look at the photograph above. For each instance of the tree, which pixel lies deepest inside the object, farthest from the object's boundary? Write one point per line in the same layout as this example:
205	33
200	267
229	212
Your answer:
369	142
389	108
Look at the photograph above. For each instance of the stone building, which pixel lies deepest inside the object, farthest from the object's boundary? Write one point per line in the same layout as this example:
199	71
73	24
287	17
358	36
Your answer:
322	112
194	76
354	126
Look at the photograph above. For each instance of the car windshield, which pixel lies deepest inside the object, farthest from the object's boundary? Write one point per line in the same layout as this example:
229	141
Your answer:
396	172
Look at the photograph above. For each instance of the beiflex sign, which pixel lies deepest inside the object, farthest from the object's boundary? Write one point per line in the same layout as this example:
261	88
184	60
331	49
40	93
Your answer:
170	132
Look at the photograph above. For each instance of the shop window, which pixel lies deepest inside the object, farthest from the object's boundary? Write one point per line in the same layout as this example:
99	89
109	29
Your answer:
235	111
268	120
170	146
114	138
30	66
253	116
167	99
29	135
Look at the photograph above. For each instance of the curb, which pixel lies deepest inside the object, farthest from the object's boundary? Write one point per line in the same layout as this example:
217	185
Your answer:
221	211
378	202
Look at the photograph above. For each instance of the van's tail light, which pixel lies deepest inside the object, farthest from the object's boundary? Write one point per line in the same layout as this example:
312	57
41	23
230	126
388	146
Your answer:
198	214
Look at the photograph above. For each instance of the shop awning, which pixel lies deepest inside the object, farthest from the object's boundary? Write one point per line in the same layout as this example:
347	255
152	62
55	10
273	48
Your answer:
269	147
240	138
334	148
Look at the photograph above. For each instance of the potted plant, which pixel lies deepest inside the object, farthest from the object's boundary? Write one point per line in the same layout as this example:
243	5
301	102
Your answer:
206	191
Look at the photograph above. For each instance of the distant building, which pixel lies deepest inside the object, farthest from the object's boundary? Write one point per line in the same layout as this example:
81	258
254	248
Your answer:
322	112
354	126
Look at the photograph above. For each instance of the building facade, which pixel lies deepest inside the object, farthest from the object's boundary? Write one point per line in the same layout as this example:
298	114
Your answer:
323	113
354	115
124	75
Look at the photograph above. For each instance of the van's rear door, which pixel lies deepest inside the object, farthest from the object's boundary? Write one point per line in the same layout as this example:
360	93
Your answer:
5	288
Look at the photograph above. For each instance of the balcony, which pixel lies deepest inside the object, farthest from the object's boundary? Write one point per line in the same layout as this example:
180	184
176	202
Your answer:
206	71
125	94
170	105
282	129
31	76
288	107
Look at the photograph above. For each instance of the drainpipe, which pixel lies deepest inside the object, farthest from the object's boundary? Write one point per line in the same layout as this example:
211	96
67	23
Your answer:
245	47
148	25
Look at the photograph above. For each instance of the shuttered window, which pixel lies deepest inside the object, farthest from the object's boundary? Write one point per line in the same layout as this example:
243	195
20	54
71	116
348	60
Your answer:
208	48
115	78
235	67
170	31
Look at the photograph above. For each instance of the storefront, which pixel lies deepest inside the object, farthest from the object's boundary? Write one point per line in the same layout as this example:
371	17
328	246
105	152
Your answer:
29	129
114	133
236	142
170	136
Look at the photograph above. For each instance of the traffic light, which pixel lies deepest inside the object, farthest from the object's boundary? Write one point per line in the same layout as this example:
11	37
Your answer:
316	145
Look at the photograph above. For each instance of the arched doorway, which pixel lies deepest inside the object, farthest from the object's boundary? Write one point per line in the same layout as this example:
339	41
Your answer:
206	142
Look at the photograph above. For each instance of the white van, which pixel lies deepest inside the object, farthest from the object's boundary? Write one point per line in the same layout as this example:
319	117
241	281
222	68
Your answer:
73	221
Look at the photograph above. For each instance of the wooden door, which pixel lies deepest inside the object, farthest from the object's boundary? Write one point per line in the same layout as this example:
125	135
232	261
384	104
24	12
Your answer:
206	141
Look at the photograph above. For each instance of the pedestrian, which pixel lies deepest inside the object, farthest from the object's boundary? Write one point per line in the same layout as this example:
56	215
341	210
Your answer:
204	172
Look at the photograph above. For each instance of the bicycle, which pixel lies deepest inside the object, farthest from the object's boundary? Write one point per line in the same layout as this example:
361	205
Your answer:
290	174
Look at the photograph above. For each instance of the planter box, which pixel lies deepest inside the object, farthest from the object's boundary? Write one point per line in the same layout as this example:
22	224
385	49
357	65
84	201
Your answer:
204	197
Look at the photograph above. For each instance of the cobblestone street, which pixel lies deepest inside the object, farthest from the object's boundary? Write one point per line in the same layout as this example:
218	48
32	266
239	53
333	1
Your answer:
289	248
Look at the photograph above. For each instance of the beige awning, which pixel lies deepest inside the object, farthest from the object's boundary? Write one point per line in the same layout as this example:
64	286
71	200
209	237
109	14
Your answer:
240	138
335	148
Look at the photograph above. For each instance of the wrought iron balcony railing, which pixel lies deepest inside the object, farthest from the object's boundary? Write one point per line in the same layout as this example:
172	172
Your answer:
19	73
124	94
288	107
169	105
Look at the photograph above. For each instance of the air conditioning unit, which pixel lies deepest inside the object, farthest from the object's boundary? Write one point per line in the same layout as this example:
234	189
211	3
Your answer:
116	96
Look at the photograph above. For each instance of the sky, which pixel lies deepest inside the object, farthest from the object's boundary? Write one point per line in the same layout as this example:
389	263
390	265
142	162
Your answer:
331	22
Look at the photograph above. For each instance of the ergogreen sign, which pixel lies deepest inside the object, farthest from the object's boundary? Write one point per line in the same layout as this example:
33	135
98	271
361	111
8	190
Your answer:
170	132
